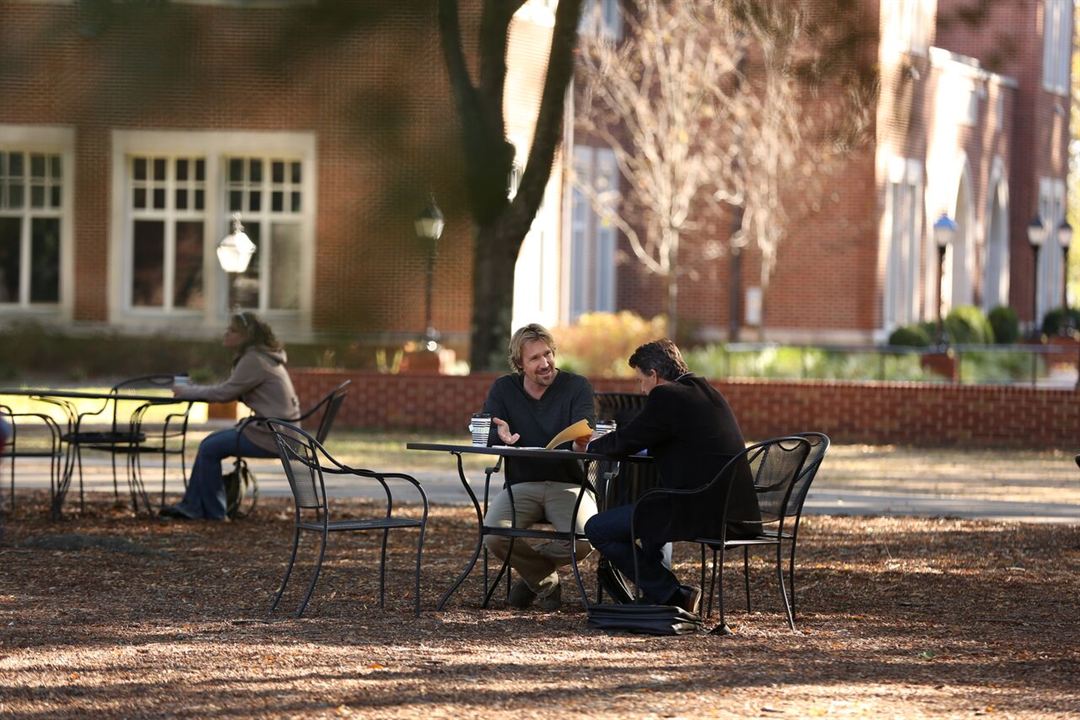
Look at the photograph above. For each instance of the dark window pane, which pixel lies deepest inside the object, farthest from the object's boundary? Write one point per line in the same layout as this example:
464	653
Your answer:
236	201
15	164
3	164
181	199
45	260
9	259
148	274
255	171
37	196
247	284
200	170
140	168
159	198
296	202
277	171
54	196
182	169
236	170
254	201
188	283
198	199
54	162
285	258
296	172
159	168
37	166
15	196
277	201
138	199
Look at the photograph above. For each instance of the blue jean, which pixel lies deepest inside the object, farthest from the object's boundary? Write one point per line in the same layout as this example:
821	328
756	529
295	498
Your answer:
205	495
609	533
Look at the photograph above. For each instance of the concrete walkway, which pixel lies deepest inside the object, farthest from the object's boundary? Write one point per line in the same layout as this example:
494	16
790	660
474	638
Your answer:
1028	486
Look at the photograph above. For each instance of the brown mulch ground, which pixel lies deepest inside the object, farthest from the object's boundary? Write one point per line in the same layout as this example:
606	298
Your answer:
110	615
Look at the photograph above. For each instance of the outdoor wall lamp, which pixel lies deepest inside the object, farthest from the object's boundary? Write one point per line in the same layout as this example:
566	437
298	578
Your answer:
429	227
234	254
944	233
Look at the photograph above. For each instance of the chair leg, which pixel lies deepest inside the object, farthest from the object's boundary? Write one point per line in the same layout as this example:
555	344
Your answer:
314	575
288	570
780	582
746	574
712	585
416	587
382	569
722	626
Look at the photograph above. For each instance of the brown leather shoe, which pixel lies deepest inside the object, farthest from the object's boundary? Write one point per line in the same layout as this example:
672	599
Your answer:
521	595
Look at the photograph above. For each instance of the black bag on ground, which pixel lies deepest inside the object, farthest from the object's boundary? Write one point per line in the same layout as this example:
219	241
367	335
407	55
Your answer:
240	484
644	619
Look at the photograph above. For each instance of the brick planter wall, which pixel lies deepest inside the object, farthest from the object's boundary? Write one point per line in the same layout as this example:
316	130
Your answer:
920	414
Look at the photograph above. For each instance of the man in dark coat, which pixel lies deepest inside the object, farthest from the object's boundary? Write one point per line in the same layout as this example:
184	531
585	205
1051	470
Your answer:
690	430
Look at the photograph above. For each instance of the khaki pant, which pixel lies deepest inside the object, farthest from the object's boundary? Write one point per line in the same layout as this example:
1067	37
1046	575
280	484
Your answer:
535	502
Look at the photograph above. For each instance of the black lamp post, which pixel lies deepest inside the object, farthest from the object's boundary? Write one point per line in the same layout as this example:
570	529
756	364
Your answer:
429	228
1036	235
944	233
234	253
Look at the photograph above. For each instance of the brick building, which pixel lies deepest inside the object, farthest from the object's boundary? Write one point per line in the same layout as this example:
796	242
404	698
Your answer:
128	139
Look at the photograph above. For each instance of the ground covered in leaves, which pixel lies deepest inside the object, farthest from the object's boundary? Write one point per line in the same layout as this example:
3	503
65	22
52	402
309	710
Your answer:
108	615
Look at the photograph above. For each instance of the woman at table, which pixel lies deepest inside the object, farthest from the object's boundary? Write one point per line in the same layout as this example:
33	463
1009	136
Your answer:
259	380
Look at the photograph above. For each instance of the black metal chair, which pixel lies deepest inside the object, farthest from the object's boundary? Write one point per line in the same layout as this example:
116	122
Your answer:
125	435
780	499
40	440
698	515
306	462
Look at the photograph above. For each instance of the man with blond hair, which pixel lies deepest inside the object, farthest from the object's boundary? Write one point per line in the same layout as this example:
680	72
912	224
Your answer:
528	408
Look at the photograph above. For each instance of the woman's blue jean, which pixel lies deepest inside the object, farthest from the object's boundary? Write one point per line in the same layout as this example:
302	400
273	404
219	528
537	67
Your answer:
205	495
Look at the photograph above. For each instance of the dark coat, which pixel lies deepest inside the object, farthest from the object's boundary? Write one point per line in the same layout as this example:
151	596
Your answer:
690	430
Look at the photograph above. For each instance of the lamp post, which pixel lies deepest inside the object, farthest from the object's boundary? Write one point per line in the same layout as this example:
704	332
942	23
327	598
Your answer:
429	228
234	253
1036	235
944	233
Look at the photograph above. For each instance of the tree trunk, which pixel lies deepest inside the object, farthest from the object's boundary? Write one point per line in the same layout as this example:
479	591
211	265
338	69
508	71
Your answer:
494	258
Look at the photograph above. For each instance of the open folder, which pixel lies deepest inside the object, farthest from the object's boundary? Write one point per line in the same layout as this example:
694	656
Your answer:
580	429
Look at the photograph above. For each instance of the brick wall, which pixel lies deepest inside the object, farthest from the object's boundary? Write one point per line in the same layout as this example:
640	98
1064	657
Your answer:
919	414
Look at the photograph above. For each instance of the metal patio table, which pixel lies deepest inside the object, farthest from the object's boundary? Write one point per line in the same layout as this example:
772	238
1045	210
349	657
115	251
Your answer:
502	451
63	397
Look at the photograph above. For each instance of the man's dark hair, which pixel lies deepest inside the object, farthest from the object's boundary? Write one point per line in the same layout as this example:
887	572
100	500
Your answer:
661	355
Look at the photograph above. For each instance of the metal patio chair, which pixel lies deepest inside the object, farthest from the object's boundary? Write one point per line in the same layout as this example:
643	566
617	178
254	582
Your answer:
780	497
306	462
40	440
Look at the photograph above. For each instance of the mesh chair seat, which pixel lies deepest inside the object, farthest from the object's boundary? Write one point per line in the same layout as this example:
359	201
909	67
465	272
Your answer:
371	524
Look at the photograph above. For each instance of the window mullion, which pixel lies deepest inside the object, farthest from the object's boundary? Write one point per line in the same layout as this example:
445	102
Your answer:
25	234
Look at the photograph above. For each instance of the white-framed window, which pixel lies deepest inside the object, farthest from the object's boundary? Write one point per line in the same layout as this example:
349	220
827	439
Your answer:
601	18
903	252
1057	44
174	196
592	236
269	194
1049	292
167	210
36	170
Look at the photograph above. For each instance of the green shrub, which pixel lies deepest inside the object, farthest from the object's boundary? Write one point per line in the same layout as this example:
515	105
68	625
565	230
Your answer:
967	325
1005	323
599	344
1059	318
911	336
